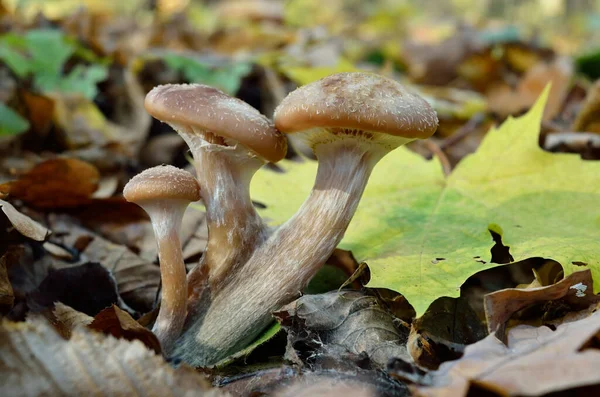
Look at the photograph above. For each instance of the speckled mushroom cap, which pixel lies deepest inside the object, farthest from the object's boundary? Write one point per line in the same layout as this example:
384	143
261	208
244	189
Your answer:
209	109
357	101
162	182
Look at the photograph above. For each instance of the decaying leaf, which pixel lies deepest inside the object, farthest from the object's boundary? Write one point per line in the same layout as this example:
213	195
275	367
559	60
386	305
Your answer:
423	234
65	319
87	288
575	290
443	332
118	323
506	101
587	119
24	224
536	361
349	319
40	363
56	183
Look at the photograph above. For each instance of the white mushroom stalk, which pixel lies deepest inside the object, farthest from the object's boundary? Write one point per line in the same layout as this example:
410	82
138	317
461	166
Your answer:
164	192
347	144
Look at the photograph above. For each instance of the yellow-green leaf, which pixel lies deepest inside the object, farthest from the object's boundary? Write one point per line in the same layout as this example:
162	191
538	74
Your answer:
423	235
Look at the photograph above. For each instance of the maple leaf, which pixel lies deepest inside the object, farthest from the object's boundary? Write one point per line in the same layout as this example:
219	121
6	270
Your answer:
423	234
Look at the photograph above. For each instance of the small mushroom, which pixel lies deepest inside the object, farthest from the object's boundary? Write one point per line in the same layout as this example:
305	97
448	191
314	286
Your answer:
230	141
164	192
350	120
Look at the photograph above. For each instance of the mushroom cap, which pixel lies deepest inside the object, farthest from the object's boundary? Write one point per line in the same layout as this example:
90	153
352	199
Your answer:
357	101
162	182
210	109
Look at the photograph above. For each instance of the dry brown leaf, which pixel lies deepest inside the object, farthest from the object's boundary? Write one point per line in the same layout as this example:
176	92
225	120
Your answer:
56	183
576	290
588	118
118	323
536	361
350	319
443	332
24	224
66	319
505	101
36	361
39	111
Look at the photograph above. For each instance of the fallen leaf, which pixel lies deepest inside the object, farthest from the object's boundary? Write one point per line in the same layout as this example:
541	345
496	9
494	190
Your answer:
24	224
56	183
118	323
443	332
423	234
575	290
39	112
536	361
350	319
587	119
87	288
65	319
41	363
505	101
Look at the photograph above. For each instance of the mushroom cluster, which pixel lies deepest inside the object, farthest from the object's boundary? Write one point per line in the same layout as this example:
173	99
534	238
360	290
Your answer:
350	120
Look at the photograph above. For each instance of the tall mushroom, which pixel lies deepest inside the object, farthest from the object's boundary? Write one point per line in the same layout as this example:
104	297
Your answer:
164	192
351	120
230	141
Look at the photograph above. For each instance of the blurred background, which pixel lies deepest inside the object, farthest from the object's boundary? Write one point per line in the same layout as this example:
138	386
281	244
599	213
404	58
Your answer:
74	73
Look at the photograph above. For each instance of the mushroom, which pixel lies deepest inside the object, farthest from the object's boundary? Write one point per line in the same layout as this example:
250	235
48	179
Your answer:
351	120
164	192
230	141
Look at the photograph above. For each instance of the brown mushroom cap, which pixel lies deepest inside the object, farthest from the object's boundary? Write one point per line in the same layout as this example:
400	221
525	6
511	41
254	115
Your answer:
162	182
210	109
357	101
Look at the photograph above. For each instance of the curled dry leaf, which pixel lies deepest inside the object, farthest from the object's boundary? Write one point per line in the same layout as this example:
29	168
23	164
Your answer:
24	224
576	290
118	323
587	119
443	332
349	319
41	363
87	288
536	361
65	319
505	101
56	183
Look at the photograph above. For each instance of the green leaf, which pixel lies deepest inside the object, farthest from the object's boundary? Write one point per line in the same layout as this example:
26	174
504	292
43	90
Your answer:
11	123
84	80
267	335
43	54
423	235
226	77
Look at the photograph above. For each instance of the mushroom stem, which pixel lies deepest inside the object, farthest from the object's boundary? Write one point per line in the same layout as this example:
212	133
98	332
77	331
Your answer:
282	266
166	217
234	227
